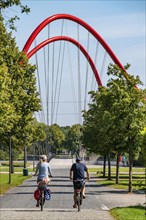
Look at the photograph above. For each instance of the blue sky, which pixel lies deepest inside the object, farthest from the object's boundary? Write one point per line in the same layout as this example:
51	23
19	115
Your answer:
120	23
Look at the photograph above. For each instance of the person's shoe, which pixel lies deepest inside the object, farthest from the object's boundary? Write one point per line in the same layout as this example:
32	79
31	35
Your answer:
84	197
74	206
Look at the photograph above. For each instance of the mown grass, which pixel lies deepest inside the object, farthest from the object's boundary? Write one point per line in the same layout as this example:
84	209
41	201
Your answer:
18	166
138	177
129	213
16	179
16	169
123	184
121	169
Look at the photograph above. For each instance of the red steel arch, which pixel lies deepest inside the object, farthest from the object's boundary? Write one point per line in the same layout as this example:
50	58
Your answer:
65	38
79	21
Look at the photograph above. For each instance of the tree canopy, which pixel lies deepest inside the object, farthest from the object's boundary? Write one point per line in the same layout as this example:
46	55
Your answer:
19	97
116	116
6	4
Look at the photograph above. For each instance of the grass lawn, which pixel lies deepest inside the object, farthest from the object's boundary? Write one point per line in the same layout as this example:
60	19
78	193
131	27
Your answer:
123	184
121	169
138	177
16	179
129	213
16	169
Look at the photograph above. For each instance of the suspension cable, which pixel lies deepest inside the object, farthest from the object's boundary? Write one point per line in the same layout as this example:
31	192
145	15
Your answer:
79	78
39	84
45	70
71	76
48	81
60	83
95	61
103	64
52	95
60	46
93	83
85	98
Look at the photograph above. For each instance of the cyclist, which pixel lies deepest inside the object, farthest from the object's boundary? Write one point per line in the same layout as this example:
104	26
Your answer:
78	170
44	171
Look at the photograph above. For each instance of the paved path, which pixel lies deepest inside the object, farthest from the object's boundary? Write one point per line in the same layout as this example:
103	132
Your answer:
20	204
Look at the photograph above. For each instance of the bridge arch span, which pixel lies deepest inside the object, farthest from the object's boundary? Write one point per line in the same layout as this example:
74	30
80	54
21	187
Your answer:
76	43
79	21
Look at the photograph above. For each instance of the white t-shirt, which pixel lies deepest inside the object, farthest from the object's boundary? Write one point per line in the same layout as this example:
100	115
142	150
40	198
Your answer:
44	170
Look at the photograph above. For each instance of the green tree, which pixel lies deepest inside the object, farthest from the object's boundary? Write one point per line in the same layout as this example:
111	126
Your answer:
131	107
74	139
56	138
7	110
119	110
144	145
66	141
7	4
97	128
38	135
19	98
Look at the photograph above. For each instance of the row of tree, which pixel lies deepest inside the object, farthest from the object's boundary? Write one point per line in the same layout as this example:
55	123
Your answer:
44	139
116	119
58	140
114	123
19	99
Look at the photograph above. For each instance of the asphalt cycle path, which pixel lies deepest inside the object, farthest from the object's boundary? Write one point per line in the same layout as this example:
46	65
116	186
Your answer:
19	203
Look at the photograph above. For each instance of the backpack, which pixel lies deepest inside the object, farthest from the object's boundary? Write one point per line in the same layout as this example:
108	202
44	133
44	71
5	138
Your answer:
47	194
37	194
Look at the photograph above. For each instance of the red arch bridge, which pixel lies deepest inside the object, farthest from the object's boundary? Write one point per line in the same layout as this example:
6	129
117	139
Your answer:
71	59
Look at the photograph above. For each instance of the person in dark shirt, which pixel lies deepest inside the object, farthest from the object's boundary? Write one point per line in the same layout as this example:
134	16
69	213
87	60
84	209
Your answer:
77	172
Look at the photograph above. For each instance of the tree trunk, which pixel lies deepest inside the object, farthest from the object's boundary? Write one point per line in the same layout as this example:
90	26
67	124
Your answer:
12	164
109	167
33	157
11	159
130	171
104	166
10	153
25	157
117	168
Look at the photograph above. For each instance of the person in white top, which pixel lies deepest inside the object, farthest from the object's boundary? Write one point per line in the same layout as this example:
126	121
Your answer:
44	171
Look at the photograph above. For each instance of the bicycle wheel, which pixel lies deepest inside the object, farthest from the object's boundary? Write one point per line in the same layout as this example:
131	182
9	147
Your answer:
78	202
81	197
41	201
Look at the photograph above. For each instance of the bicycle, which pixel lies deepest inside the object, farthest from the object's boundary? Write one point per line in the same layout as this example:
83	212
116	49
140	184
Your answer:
42	193
79	185
42	187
